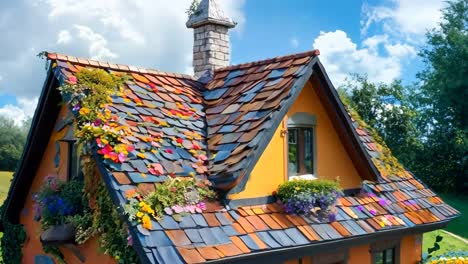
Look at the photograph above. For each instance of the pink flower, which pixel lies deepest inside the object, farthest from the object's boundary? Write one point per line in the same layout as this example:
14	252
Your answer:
72	79
121	157
373	212
168	211
177	209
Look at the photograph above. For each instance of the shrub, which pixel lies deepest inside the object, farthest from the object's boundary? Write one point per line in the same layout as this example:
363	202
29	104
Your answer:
303	196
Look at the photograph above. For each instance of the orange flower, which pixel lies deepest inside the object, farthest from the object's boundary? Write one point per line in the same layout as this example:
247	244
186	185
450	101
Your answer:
146	222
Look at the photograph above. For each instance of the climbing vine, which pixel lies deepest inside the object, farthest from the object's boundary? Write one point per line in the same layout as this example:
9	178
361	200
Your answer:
12	241
89	92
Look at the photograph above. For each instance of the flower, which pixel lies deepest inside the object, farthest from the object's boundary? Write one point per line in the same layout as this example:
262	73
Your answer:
382	202
146	221
84	111
373	212
139	214
360	208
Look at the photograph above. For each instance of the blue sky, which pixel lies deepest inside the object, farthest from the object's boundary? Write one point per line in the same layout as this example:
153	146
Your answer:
379	38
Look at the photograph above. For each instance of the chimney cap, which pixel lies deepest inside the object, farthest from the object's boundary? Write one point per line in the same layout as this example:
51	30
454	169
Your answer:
208	12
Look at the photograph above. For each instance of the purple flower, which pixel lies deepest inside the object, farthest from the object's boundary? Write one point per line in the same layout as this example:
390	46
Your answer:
371	194
331	217
360	208
412	202
76	107
382	202
373	212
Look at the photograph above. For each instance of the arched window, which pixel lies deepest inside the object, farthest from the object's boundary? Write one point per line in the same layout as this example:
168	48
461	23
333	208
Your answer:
301	145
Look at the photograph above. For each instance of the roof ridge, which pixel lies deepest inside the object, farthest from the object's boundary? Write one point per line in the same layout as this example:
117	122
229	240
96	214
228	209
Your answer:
314	52
114	66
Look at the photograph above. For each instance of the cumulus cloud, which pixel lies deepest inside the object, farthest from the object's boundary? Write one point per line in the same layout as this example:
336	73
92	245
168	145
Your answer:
411	19
64	37
148	33
341	56
19	113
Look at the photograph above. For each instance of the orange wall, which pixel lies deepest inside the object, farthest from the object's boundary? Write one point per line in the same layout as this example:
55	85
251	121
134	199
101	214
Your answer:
359	255
32	245
411	249
410	253
332	159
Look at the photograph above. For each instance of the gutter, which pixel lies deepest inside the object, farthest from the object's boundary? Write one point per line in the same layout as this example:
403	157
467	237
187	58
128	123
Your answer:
283	254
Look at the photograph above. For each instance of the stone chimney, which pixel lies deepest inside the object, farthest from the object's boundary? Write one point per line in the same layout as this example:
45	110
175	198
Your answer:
211	38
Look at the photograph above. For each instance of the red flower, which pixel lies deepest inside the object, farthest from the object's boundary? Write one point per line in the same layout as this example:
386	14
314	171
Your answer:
179	140
170	151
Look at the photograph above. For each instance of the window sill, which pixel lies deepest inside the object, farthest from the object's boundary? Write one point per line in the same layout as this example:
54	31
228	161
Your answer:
303	177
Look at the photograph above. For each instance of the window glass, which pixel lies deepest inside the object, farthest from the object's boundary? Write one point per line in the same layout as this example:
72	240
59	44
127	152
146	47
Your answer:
293	163
385	257
389	256
300	151
308	151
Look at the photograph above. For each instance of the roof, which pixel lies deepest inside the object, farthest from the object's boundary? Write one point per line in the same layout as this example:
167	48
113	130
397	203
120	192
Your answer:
218	130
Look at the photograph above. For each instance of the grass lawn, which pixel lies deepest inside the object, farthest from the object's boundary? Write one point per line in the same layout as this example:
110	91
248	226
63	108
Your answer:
457	226
5	180
447	244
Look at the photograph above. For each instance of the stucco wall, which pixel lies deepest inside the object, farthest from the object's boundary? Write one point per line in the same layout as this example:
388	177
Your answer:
32	246
332	159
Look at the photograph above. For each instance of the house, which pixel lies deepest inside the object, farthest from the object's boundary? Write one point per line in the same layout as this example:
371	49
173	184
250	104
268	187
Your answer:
246	129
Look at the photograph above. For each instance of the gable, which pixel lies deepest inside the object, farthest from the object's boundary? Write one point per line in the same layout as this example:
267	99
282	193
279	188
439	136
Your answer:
331	156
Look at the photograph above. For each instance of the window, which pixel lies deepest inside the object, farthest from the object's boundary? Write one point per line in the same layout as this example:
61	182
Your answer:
301	145
385	251
386	256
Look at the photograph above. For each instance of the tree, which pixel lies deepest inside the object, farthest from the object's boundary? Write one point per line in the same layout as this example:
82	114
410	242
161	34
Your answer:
387	108
443	101
12	140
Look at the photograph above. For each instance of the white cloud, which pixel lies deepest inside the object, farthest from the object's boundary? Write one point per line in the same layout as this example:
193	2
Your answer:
341	56
409	18
147	33
19	113
294	42
64	37
98	49
400	50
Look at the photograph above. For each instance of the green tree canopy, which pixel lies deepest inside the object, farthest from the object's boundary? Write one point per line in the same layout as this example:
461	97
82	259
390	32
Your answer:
12	140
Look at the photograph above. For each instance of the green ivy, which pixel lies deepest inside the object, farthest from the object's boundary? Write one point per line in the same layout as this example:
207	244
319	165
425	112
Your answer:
12	241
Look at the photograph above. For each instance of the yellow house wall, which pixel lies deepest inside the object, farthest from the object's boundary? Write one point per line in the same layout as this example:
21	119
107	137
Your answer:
32	246
332	159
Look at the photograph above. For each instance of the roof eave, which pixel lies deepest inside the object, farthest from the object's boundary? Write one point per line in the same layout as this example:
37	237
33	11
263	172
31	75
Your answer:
284	254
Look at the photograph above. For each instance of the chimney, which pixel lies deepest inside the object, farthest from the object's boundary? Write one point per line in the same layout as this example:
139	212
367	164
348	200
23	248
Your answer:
211	38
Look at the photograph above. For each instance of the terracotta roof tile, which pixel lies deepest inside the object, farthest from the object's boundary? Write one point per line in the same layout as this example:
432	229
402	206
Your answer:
211	219
178	237
238	242
257	223
229	250
208	253
191	255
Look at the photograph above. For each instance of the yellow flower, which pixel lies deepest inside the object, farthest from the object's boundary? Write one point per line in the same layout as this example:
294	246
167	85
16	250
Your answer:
146	222
139	214
298	188
84	111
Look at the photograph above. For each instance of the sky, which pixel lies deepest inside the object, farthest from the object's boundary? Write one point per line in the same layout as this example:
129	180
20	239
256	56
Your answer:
379	38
